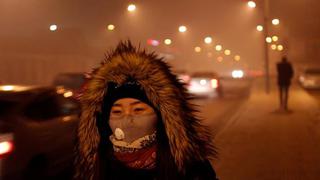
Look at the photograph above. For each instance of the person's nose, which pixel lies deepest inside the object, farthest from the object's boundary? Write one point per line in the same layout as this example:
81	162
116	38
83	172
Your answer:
127	112
128	116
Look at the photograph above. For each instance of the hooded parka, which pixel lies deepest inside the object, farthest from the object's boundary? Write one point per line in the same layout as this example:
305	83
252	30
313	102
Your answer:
183	144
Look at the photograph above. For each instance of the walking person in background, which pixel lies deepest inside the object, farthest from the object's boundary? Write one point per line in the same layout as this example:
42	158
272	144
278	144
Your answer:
137	122
285	74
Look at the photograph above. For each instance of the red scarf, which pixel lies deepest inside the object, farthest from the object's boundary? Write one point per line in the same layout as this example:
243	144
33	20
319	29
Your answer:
142	159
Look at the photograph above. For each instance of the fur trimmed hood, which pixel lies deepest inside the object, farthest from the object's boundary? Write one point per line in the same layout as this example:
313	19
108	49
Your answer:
188	139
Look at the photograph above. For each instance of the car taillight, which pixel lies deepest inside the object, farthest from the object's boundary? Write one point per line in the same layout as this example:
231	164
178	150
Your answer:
214	83
6	144
6	147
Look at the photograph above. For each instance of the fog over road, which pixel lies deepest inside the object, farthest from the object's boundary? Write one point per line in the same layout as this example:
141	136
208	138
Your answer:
256	140
216	112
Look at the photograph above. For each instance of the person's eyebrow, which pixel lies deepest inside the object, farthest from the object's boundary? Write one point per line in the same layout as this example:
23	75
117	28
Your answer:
120	105
116	105
135	102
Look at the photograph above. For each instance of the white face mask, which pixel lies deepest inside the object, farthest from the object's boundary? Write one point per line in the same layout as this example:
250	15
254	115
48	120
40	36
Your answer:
130	128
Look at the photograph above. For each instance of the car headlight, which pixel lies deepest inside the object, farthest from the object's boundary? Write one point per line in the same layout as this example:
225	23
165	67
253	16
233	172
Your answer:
237	74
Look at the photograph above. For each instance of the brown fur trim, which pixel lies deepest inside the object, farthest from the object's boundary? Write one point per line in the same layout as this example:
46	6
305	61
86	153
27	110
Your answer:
188	139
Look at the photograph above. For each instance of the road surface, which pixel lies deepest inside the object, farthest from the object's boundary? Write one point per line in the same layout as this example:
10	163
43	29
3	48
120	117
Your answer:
256	140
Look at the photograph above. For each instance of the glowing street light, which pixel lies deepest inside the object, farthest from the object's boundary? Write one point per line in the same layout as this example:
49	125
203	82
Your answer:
218	47
275	21
53	27
280	47
208	40
182	29
252	4
131	8
268	39
197	49
111	27
275	38
167	41
273	47
227	52
219	58
260	28
237	58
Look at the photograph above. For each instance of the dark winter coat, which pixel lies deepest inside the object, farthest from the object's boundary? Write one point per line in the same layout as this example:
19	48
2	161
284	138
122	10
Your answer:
183	144
285	73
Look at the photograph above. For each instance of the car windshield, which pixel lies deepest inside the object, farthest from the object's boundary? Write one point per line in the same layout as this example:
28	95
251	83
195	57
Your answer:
72	81
9	101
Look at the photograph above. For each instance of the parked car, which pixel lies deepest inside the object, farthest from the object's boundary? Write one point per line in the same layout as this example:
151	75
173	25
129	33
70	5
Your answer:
183	77
69	80
73	81
205	84
310	78
37	131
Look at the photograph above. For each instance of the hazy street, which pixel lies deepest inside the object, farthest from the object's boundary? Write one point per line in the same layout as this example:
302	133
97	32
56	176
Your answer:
63	65
256	140
315	94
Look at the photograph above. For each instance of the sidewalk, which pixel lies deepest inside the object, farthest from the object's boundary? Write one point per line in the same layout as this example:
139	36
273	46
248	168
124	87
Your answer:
261	142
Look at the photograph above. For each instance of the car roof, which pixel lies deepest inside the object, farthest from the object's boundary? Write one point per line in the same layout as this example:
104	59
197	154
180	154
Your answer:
12	88
312	70
204	74
23	91
31	88
70	80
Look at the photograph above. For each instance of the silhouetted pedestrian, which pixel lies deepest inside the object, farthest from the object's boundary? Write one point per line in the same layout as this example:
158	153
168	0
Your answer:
285	74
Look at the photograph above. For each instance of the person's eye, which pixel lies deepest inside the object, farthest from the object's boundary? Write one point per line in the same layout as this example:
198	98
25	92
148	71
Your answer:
138	110
116	112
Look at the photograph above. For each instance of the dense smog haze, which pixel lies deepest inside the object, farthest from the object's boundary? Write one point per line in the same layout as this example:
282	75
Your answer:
82	36
252	69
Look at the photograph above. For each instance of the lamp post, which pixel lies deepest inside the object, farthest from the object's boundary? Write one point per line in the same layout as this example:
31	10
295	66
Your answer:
266	40
266	46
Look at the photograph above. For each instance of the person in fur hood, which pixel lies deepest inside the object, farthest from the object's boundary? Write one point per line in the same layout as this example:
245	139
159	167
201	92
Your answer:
137	122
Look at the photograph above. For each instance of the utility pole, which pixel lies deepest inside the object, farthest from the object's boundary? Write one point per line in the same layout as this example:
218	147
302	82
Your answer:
266	46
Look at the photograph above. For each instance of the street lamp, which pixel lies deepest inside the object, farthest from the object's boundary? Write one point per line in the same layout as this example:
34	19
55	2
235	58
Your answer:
260	28
237	58
280	47
208	40
273	47
265	29
167	41
53	27
182	29
252	4
197	49
111	27
268	39
227	52
275	38
275	22
131	8
218	47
